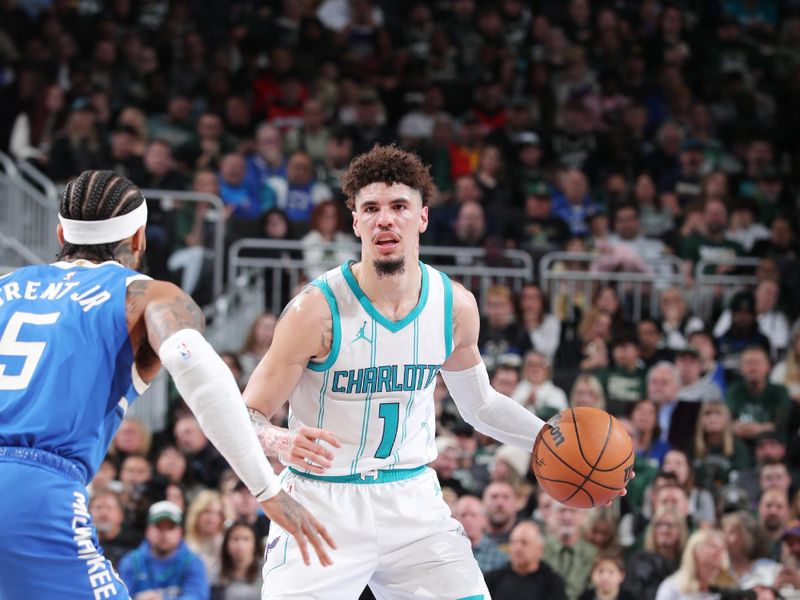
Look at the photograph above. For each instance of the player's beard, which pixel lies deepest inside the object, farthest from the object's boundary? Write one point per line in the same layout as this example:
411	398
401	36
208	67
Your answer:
392	266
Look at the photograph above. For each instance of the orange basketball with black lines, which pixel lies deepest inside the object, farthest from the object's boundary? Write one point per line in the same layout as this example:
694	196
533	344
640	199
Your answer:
583	457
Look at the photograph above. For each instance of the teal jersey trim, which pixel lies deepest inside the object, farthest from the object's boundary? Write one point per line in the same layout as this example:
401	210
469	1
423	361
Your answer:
428	435
337	327
379	476
478	597
323	387
410	403
367	402
448	315
393	326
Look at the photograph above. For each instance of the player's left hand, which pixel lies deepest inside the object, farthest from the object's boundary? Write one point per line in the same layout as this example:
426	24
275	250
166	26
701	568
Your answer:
307	453
287	513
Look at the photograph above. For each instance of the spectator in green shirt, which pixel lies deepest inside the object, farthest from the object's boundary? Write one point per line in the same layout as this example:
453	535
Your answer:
756	404
566	551
712	245
624	381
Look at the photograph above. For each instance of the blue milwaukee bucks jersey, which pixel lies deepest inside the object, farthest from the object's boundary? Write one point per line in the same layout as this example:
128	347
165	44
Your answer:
375	388
67	372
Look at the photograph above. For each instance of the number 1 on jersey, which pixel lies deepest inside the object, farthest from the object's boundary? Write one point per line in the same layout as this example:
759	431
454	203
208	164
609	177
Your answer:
389	412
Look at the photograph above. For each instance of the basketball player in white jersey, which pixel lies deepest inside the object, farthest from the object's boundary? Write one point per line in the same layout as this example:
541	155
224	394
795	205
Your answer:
356	355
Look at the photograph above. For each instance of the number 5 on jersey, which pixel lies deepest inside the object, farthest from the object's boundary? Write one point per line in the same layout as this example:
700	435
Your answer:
389	413
30	352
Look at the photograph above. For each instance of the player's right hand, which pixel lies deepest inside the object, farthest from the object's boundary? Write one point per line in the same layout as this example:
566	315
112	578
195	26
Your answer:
289	515
305	451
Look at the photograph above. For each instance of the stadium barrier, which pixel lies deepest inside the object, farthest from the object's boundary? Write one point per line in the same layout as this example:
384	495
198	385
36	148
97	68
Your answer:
569	280
41	181
713	289
28	219
283	268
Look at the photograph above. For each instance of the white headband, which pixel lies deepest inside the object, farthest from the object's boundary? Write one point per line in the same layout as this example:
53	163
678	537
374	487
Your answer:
88	233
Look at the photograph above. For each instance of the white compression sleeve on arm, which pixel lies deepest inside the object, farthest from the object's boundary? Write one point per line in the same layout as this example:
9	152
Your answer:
489	411
210	391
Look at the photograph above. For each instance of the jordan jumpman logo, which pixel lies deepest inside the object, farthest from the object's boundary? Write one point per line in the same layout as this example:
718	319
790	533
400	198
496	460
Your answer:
361	335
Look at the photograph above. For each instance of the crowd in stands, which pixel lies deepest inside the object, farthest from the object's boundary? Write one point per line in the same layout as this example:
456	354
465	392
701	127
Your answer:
630	130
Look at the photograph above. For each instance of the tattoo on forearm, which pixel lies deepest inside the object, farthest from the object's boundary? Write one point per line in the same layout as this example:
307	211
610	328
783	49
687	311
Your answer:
306	290
275	441
166	317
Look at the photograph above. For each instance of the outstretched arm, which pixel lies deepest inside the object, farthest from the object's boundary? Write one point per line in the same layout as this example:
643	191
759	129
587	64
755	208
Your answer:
174	325
303	333
486	409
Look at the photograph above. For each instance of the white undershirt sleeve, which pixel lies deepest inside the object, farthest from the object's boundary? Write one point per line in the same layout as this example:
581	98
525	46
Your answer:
489	411
206	384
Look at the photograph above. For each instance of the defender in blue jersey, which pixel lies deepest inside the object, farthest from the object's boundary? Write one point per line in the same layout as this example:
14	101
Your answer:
357	352
79	340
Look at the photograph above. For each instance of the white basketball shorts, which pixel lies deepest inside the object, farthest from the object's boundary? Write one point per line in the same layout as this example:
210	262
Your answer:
396	535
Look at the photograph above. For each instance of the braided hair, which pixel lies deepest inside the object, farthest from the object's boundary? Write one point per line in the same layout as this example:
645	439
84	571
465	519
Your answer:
94	196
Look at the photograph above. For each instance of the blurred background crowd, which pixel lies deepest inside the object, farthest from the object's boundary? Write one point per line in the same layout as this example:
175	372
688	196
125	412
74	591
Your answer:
625	129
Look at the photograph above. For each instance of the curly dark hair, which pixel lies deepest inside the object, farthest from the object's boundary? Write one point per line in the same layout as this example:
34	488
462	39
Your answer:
387	164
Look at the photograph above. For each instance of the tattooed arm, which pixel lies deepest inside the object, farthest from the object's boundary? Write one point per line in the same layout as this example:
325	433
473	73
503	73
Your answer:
303	333
169	309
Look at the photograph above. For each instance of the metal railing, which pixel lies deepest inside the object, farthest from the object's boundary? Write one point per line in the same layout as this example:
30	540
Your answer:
713	288
568	280
278	264
168	199
478	269
28	218
39	179
229	318
283	267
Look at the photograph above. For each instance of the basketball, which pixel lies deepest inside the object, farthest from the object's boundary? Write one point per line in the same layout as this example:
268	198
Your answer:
583	457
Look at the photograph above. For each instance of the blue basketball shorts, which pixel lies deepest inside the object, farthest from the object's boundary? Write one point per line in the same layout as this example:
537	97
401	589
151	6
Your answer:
50	547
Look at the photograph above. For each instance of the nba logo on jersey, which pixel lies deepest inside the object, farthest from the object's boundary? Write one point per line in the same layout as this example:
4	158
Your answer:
184	351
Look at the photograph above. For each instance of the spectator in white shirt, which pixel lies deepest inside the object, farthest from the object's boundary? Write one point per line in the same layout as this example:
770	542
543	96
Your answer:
536	391
677	322
628	233
772	322
543	327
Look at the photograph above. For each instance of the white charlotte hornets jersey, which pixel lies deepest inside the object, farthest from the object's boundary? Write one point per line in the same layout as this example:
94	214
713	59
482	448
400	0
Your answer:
375	389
